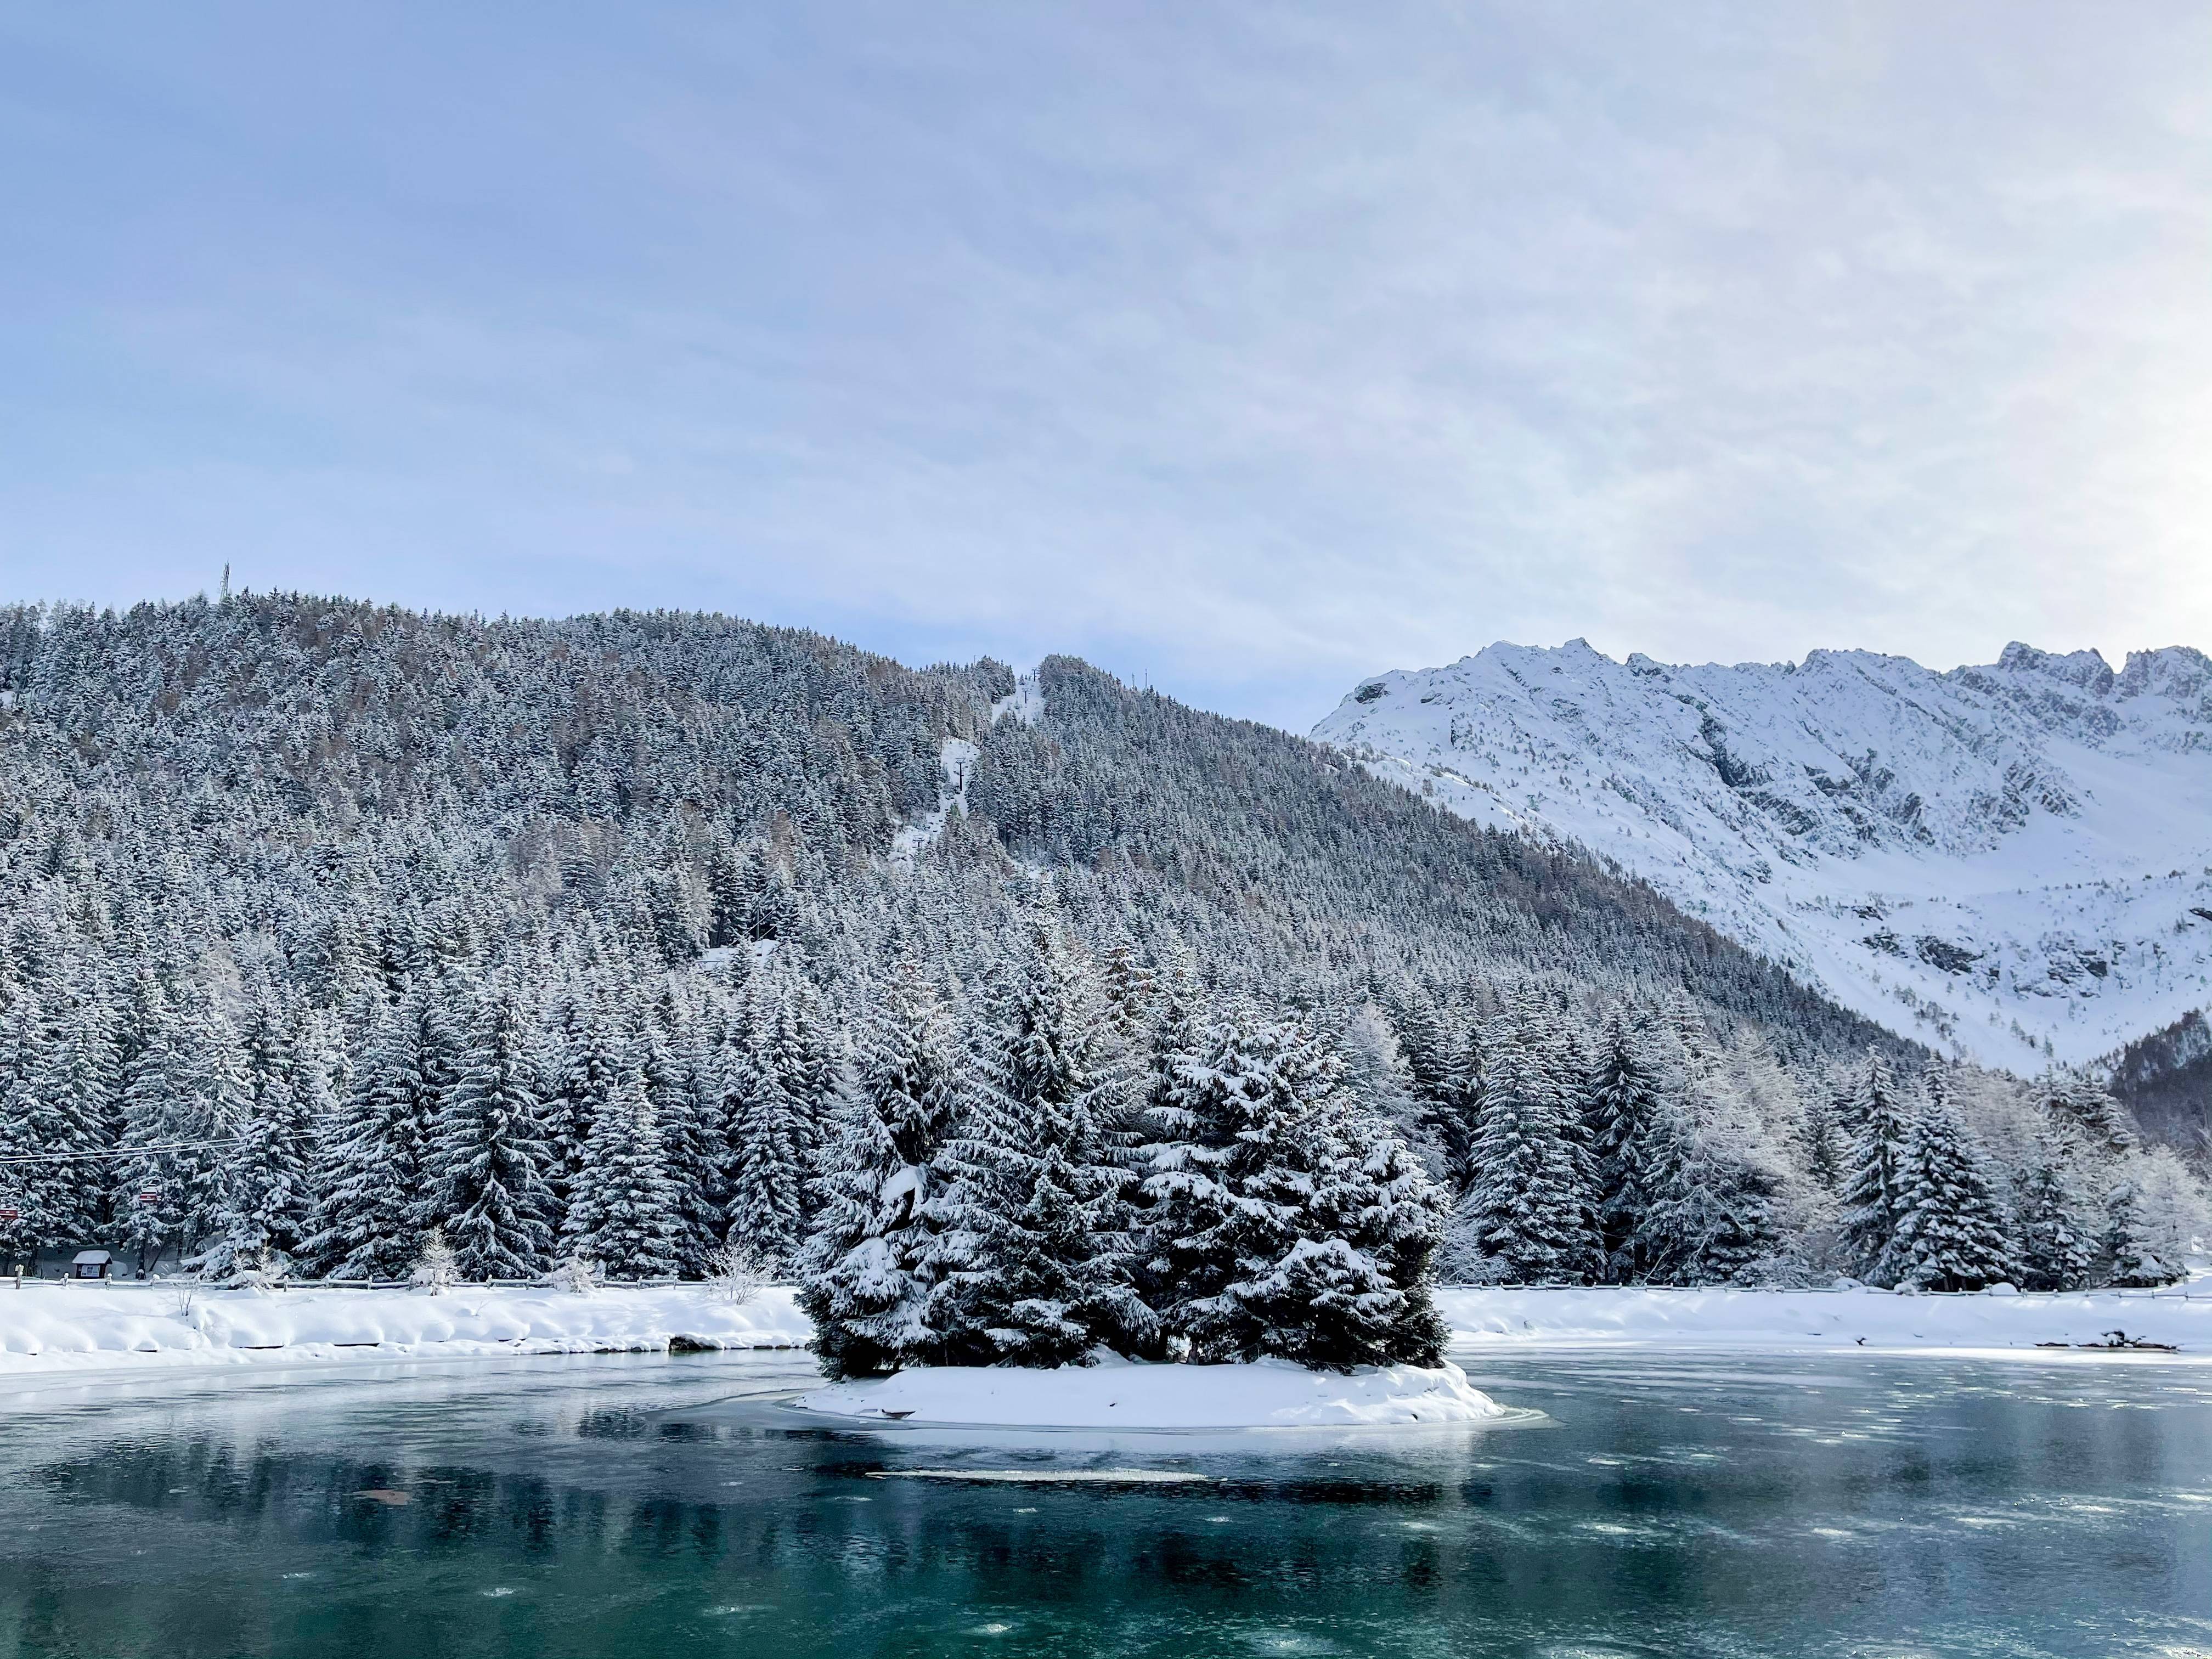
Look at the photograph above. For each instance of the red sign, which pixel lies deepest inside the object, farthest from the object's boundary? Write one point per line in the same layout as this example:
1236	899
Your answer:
11	1215
150	1198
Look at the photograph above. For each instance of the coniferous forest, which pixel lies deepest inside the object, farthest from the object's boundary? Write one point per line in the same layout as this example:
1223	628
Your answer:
1013	1020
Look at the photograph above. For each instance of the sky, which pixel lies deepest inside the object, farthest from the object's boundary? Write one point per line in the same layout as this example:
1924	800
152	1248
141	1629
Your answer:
1244	350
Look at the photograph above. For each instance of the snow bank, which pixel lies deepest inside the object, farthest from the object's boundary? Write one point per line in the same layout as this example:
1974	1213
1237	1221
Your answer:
49	1327
1116	1395
1824	1319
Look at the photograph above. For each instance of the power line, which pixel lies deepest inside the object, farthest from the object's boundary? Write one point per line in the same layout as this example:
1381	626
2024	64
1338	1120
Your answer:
115	1151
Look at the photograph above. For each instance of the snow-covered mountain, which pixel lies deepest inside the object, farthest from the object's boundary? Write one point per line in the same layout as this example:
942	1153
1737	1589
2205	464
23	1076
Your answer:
2013	861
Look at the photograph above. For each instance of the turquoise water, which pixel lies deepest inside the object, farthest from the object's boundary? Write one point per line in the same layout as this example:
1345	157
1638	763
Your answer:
613	1506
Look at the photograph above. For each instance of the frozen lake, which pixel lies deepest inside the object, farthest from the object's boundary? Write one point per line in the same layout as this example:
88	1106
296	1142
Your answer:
618	1505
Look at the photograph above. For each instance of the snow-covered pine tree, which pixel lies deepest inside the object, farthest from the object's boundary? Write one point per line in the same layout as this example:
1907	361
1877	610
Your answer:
2131	1255
869	1269
1129	989
1711	1209
28	1129
1625	1101
79	1091
1290	1221
1880	1123
1952	1233
2080	1102
370	1215
688	1104
265	1195
2057	1243
182	1103
583	1046
1036	1225
771	1156
487	1164
1529	1215
1355	1289
622	1213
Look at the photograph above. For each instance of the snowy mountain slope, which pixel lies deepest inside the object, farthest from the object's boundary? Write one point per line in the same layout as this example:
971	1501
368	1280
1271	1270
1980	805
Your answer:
2014	861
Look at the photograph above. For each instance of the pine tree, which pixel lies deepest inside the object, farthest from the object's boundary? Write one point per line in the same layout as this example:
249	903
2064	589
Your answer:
2057	1248
2080	1103
688	1105
370	1215
2131	1254
78	1106
1626	1100
870	1268
622	1214
487	1164
1129	989
182	1103
771	1157
1952	1233
1873	1190
1034	1238
1290	1221
28	1130
265	1192
1709	1216
1529	1215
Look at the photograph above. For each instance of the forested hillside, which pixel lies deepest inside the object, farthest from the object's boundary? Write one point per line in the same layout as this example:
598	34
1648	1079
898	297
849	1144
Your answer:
343	922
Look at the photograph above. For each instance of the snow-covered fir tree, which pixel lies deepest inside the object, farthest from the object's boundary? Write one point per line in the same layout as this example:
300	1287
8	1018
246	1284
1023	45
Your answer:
1879	1120
1710	1214
1529	1215
1288	1219
2131	1254
1630	1107
1952	1232
623	1211
870	1271
265	1196
487	1165
1034	1214
2057	1245
369	1216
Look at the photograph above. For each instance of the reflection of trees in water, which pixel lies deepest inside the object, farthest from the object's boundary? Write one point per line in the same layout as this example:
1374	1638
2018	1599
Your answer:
1637	1517
783	1521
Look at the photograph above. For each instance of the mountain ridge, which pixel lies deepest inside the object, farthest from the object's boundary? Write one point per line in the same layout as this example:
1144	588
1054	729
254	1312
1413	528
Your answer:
2010	861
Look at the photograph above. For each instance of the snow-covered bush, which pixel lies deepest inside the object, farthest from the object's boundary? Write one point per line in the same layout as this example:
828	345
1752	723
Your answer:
434	1269
735	1275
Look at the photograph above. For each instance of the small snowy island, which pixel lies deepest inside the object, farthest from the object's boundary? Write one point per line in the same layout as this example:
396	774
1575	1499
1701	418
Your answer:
1268	1394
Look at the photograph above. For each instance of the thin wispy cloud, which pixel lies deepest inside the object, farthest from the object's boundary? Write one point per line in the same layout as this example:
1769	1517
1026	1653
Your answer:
1247	349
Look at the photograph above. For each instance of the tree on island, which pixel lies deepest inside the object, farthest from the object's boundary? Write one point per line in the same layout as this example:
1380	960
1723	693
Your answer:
1292	1221
1034	1244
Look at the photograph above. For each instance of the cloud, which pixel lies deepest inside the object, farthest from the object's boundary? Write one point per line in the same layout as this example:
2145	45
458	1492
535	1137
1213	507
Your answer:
1249	350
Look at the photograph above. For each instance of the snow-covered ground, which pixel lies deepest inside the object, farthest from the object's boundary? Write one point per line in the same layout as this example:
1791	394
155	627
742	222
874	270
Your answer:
47	1329
1638	1317
50	1326
1987	859
1117	1394
956	756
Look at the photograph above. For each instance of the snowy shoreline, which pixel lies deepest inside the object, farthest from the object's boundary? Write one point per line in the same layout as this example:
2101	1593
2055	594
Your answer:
68	1329
1115	1394
51	1329
1861	1320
